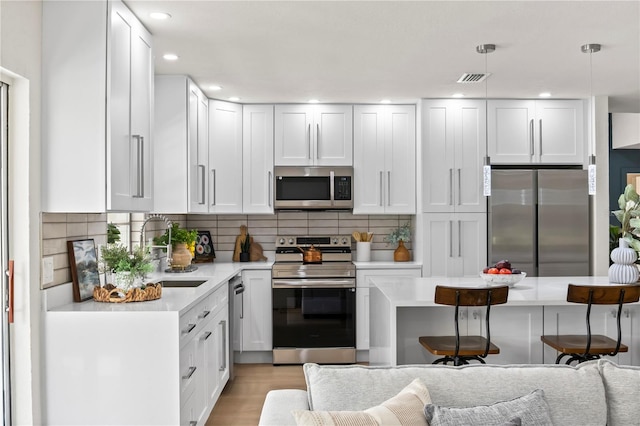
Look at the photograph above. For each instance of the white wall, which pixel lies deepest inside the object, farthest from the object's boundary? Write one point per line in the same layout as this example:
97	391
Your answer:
20	52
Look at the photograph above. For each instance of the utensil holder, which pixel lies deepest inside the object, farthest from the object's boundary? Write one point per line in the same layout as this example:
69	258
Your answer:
363	251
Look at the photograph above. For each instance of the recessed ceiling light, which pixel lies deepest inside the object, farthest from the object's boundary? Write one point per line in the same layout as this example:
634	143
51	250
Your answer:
313	101
545	95
215	87
385	101
234	98
458	95
170	57
160	15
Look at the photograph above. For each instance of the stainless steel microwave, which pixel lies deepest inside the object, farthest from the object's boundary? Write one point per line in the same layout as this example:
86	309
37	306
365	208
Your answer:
313	188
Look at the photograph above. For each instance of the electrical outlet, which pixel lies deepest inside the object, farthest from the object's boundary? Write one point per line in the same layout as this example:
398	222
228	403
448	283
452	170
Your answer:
47	270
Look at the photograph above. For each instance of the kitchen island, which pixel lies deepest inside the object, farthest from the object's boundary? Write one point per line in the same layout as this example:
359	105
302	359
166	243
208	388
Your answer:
402	309
163	361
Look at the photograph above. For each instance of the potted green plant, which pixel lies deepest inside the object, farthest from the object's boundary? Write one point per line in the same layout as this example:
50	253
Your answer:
183	243
126	269
629	217
245	246
400	235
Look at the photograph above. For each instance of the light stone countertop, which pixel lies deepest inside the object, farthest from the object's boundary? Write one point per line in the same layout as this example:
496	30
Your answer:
532	291
174	299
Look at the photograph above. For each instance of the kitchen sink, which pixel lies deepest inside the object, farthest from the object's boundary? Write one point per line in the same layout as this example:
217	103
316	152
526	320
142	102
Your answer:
182	283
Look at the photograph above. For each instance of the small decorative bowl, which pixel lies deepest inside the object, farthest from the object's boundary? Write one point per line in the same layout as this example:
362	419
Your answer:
503	279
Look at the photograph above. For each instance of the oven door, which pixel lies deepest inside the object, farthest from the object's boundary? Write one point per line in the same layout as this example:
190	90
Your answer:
312	314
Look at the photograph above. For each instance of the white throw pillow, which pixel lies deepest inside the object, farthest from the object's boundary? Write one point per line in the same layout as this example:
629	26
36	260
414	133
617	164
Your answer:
406	408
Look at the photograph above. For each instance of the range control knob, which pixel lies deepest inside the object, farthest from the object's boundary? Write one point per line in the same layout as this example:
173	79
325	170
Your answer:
281	241
291	241
334	241
344	241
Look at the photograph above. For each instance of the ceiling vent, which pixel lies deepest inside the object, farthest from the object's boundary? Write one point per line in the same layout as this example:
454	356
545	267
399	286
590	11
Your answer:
473	77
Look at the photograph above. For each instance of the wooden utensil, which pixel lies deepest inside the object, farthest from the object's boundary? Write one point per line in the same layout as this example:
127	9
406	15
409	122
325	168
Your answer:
356	236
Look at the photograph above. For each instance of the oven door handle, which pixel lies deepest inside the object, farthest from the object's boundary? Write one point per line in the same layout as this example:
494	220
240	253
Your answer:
329	283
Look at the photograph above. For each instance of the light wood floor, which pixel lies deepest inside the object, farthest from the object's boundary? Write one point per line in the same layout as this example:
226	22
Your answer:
241	400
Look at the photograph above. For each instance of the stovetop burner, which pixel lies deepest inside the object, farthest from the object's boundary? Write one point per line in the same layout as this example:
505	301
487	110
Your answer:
334	248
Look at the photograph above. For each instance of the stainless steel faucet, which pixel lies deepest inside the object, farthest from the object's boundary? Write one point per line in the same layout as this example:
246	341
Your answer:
169	225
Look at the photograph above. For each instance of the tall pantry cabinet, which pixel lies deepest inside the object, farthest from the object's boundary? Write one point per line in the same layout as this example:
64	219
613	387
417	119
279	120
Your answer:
97	108
454	219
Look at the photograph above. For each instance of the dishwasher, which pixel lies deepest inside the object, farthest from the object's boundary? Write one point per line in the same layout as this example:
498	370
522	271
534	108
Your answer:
236	288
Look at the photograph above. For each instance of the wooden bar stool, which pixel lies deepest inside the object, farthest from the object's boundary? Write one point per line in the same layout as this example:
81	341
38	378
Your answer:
462	349
591	346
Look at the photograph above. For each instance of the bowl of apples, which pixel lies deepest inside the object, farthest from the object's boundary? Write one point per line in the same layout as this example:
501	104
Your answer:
501	273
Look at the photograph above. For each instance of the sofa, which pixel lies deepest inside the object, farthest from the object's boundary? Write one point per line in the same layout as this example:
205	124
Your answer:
597	392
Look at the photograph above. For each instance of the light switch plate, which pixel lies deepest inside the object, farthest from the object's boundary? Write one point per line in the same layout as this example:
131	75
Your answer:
47	270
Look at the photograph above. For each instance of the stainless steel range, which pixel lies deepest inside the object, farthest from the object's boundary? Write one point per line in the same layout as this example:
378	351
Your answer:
314	300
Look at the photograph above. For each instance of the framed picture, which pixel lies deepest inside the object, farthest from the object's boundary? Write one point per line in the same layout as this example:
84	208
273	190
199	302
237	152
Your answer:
83	262
204	248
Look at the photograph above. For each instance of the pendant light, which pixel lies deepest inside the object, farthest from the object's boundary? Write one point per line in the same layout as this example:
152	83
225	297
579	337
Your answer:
485	49
591	48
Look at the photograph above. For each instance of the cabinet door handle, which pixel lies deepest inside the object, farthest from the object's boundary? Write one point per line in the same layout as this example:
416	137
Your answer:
459	187
459	238
309	139
450	238
531	138
381	188
317	140
269	187
193	423
202	173
450	187
138	167
206	335
189	373
10	275
204	314
223	323
389	188
213	187
540	135
189	329
141	167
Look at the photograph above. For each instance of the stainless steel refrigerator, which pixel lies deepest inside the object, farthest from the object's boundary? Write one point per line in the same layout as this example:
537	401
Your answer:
539	221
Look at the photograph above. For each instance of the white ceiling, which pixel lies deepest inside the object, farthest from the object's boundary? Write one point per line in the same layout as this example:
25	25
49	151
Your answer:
365	51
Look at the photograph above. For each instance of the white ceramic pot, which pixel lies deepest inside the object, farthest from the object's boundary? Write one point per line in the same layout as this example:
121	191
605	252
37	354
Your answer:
623	270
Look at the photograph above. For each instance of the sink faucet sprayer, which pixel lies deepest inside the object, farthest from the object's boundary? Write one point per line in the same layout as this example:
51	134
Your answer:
142	234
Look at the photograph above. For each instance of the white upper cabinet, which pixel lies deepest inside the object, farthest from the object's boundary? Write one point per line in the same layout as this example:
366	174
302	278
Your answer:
97	108
531	131
225	157
182	146
453	151
319	135
384	159
257	147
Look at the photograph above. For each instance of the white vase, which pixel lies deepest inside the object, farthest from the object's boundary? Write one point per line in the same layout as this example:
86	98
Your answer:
623	270
124	280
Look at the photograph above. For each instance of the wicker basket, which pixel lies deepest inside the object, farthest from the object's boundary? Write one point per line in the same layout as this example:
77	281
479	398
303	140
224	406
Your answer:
112	294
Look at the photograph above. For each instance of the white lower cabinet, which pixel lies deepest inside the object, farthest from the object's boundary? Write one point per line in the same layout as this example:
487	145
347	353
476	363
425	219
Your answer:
252	313
362	299
160	367
455	244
